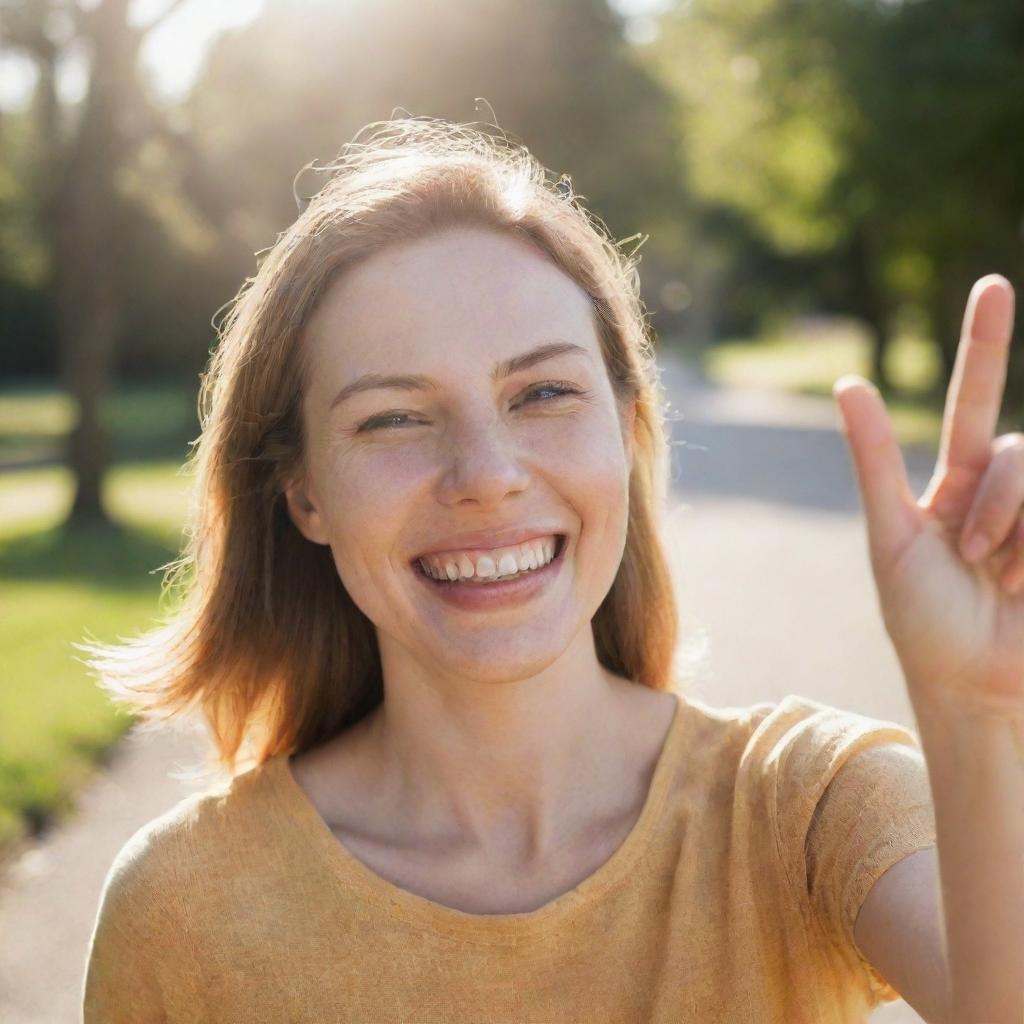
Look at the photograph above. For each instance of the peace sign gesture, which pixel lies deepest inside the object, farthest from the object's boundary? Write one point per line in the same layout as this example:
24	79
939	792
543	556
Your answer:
955	617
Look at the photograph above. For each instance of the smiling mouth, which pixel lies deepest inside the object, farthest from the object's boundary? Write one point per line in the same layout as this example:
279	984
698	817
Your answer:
560	544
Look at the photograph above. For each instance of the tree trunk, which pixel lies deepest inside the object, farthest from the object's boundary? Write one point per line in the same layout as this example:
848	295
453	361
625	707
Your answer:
82	209
86	320
881	337
87	251
87	323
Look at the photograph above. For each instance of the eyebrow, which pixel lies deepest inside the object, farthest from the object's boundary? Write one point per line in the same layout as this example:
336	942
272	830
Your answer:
419	382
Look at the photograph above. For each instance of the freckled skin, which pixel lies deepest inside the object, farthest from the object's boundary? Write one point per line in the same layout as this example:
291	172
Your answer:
451	306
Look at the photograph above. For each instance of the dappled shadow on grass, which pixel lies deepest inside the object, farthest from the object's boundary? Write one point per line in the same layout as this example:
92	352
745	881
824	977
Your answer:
115	557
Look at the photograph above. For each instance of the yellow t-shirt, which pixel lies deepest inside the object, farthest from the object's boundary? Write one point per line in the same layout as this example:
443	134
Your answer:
732	899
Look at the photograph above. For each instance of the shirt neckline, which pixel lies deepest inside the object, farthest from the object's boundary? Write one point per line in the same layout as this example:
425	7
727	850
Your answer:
352	873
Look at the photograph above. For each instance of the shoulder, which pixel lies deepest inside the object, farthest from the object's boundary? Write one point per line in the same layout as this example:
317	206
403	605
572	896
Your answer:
144	871
180	848
784	754
798	736
721	731
141	958
840	791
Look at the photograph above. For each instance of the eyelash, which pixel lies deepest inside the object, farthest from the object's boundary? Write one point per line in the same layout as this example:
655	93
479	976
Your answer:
560	387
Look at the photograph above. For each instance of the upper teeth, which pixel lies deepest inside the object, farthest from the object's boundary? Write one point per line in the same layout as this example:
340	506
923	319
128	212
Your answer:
500	562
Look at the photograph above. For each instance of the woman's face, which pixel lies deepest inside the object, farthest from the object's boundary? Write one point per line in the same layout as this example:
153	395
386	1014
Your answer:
394	472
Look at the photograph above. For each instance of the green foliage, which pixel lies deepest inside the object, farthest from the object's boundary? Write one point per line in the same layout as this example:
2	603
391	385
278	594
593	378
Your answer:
885	134
763	143
58	587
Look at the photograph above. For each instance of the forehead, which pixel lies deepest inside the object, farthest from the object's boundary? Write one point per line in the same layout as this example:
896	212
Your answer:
466	290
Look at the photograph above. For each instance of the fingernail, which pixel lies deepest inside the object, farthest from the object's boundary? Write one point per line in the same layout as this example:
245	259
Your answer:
976	547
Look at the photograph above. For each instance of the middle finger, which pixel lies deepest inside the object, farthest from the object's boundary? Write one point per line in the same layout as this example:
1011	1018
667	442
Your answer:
979	376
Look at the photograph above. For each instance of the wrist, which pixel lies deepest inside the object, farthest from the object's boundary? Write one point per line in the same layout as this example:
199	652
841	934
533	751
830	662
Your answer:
952	707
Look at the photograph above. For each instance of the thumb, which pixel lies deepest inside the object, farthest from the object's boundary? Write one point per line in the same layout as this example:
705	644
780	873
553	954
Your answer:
889	506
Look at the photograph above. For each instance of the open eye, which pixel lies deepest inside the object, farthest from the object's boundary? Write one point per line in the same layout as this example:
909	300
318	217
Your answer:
558	389
379	422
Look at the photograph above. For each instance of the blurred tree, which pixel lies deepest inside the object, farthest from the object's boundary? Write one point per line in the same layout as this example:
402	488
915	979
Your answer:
880	136
766	116
84	206
24	307
939	141
143	218
559	76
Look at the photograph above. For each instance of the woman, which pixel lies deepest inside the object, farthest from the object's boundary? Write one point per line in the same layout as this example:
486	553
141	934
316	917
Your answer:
429	624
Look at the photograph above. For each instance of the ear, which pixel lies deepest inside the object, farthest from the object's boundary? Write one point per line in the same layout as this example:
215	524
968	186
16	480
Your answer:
304	510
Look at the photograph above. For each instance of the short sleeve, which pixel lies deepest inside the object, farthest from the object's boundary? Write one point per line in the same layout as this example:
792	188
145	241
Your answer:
876	811
852	799
129	971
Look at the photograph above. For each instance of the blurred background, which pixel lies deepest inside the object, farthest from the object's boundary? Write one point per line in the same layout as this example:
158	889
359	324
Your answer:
816	183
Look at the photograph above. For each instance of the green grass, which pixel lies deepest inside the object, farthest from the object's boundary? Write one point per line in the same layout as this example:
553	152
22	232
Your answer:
57	589
811	365
144	420
33	420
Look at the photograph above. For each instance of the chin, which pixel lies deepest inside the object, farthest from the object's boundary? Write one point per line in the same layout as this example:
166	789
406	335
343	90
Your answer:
486	668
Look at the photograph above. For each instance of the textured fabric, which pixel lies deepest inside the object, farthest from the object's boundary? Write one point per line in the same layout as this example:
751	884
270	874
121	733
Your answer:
732	899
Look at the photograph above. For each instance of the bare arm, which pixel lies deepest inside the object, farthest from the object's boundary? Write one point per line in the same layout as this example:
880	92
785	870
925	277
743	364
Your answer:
901	932
946	927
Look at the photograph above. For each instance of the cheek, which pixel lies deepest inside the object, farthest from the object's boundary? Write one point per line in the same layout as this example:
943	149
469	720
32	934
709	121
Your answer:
595	481
586	447
599	460
367	511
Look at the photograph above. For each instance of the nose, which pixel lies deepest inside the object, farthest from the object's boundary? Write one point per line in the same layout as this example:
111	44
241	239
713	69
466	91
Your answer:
483	464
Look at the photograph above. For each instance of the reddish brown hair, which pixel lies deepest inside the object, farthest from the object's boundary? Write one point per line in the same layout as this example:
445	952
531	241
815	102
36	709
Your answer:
265	643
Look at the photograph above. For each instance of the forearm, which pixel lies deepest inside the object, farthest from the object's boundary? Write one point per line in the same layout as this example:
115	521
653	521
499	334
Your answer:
976	770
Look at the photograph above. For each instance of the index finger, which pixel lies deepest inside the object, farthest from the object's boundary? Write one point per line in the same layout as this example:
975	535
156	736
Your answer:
975	392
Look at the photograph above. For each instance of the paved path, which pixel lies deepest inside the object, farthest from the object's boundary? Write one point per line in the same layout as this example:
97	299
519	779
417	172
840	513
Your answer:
49	898
776	596
769	555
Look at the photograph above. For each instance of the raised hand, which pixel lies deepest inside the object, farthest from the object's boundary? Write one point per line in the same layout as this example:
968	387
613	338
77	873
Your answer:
955	617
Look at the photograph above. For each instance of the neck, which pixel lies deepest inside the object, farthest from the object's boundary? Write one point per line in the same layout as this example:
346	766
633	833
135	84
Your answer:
514	775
